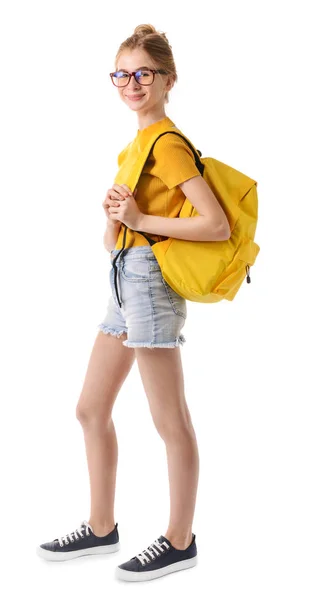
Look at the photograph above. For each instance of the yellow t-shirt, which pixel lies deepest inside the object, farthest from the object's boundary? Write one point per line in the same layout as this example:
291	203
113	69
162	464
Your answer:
170	163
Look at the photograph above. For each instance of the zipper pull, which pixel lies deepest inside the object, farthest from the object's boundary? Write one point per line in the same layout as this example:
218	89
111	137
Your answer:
248	279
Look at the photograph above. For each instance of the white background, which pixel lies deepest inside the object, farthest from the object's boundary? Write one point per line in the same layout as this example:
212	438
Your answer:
251	94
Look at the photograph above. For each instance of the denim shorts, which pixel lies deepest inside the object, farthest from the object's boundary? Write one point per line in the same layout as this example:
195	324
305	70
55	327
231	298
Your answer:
148	310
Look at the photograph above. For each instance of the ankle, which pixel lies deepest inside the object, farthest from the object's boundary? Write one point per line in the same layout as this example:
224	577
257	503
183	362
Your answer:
179	541
101	528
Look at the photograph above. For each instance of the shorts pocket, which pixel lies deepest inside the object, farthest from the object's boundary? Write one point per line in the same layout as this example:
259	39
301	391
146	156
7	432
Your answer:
135	270
178	303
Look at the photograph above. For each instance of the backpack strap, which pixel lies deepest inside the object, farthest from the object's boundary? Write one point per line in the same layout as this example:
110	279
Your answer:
144	157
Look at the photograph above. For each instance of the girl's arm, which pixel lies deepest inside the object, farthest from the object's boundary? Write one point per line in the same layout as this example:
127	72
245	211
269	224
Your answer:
111	234
211	223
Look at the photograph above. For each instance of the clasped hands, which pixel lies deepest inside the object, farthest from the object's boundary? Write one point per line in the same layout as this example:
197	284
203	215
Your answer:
120	206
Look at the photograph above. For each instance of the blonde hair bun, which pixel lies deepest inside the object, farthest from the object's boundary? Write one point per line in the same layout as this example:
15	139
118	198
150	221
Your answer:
147	29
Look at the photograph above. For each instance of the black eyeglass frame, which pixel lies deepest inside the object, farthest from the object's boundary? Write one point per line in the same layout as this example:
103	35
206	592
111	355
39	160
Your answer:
153	71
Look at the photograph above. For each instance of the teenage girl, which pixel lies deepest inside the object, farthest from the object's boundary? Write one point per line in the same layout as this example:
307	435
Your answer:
144	318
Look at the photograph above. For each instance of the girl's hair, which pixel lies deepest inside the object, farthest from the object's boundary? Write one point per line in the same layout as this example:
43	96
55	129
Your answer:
156	45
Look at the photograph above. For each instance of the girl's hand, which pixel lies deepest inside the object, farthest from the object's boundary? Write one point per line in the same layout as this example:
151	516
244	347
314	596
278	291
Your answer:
117	192
125	208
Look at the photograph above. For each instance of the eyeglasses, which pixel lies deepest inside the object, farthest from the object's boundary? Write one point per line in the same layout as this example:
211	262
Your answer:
143	76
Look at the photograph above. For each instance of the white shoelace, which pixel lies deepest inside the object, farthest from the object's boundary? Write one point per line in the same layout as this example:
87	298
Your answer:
156	548
69	537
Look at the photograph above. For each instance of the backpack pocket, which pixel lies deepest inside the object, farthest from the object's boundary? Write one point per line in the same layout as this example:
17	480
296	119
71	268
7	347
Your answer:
237	269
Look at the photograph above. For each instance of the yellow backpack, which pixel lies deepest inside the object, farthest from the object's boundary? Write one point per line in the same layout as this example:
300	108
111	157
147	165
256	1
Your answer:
207	271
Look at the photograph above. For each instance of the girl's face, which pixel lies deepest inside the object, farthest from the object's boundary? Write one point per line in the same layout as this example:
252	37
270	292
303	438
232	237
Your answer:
142	98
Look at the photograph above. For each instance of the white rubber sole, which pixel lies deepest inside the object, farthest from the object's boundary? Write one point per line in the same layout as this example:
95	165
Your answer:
59	556
147	575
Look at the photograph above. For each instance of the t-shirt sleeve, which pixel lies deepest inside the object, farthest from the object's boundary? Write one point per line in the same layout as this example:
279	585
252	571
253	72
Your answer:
174	160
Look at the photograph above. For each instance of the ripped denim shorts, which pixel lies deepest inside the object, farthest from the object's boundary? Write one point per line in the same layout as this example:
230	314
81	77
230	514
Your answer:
142	304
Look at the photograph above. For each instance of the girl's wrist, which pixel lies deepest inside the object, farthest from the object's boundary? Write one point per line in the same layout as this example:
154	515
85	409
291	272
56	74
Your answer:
113	224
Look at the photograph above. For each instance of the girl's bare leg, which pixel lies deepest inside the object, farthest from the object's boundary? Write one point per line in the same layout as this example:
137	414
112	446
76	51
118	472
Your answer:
109	365
162	377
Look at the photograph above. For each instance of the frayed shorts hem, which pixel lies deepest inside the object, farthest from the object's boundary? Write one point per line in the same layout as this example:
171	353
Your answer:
178	341
107	329
118	333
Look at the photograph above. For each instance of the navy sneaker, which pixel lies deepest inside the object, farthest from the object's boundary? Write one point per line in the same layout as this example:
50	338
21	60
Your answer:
160	558
80	542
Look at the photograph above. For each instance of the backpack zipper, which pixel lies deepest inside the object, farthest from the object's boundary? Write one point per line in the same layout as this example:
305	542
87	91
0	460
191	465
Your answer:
248	278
